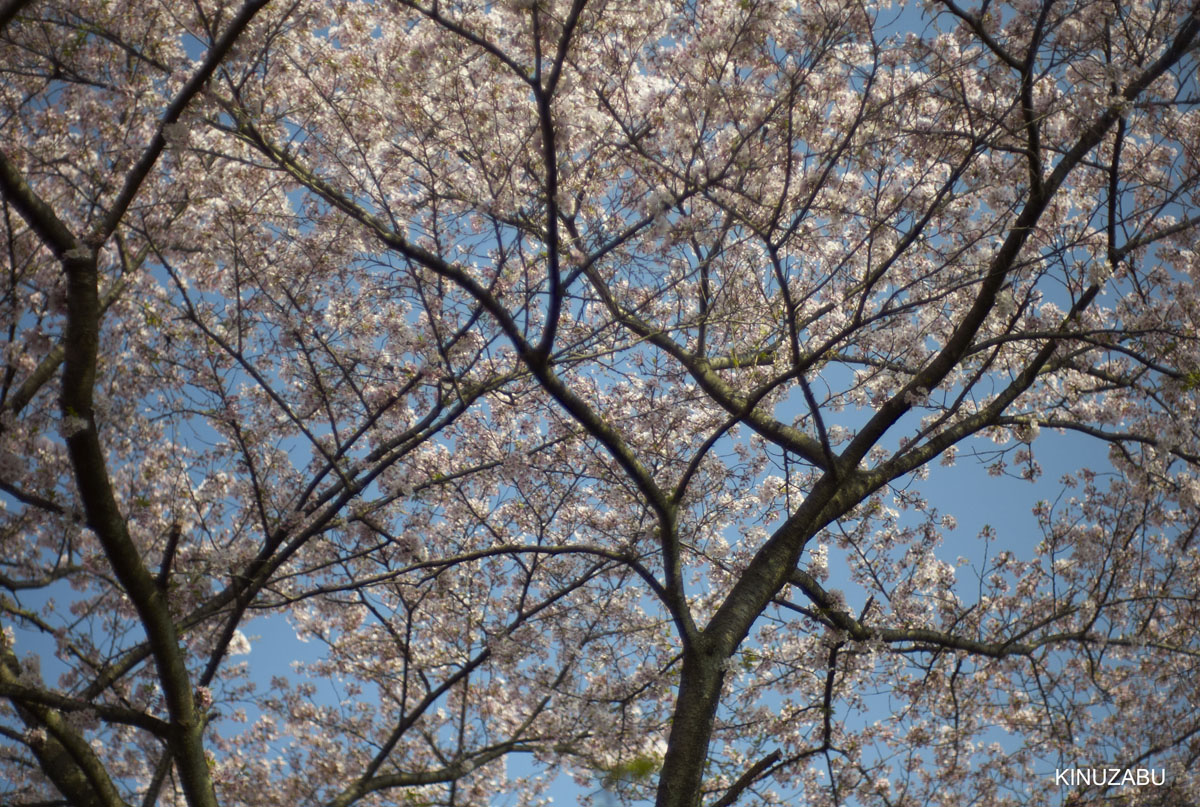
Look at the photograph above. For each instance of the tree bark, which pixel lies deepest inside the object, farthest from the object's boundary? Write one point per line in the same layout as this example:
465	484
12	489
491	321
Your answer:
691	729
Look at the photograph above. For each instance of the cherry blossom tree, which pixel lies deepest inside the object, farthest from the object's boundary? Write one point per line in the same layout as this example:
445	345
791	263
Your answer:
537	360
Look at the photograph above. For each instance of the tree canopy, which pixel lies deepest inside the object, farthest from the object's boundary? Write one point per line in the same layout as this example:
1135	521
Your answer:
538	359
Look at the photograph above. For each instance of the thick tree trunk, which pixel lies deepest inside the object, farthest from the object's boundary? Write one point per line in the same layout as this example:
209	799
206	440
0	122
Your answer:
700	682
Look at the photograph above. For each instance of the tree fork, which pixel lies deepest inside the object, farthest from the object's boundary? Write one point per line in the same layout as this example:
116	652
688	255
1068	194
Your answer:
105	519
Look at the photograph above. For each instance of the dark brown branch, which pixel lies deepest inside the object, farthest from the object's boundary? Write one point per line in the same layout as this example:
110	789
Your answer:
747	779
